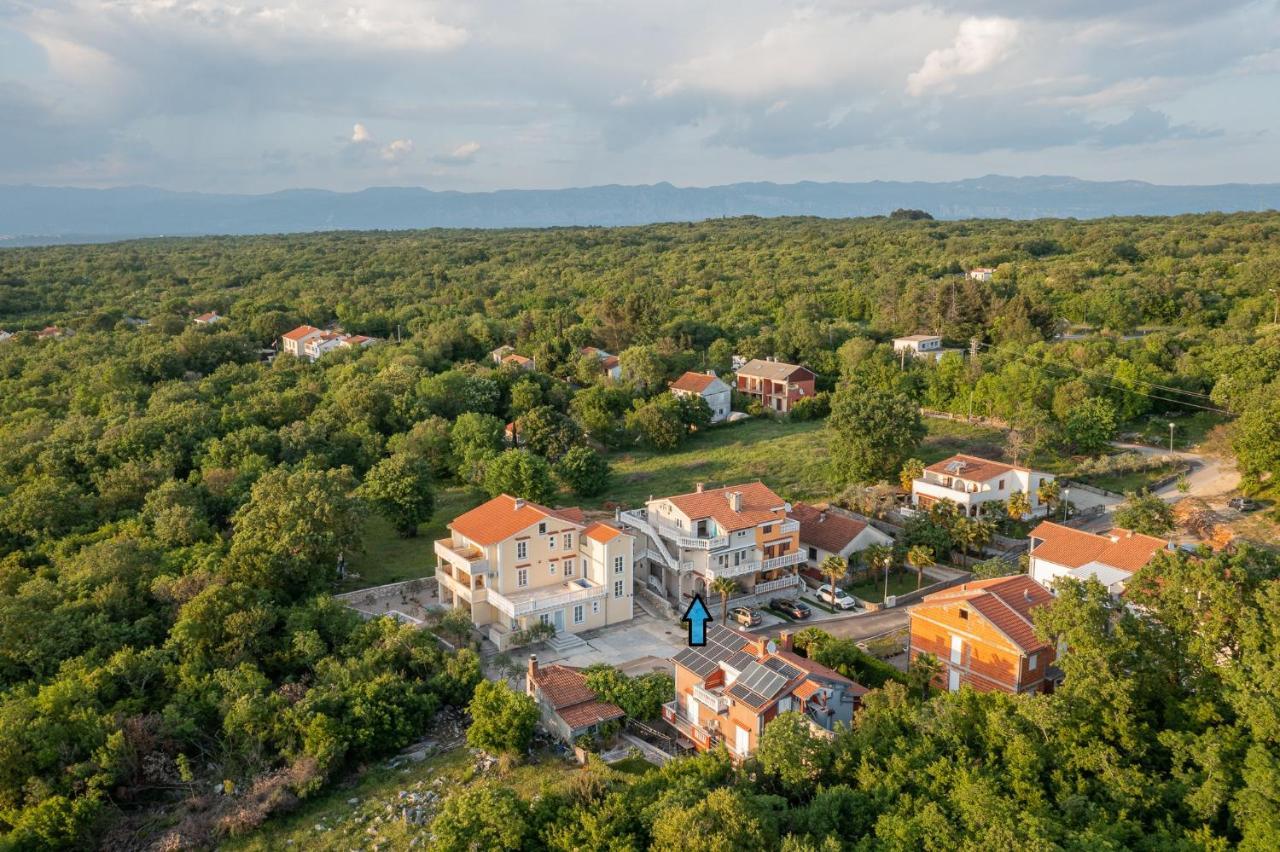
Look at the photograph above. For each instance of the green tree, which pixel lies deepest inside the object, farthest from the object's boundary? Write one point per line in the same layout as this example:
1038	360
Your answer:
399	487
288	537
1089	425
659	422
484	816
548	433
872	431
502	720
1018	505
924	668
912	469
724	587
919	558
722	820
600	410
521	474
834	569
791	754
1145	513
585	472
475	439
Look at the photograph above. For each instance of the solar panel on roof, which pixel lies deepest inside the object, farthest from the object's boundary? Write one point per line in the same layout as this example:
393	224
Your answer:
782	667
762	680
741	693
739	661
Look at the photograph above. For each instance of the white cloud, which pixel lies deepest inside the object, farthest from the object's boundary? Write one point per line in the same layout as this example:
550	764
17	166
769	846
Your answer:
980	44
397	150
463	153
360	134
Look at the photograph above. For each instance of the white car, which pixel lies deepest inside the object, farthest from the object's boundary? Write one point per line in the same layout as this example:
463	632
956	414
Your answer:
837	598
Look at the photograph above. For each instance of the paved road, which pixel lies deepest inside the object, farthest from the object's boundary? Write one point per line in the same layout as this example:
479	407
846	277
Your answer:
857	627
1211	478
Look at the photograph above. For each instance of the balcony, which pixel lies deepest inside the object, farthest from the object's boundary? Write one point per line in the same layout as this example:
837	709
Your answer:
711	543
783	561
465	557
781	583
531	601
712	700
673	714
459	584
789	527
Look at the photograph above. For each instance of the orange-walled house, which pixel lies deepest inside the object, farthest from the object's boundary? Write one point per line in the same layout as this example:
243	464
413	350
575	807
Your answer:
776	385
730	688
982	635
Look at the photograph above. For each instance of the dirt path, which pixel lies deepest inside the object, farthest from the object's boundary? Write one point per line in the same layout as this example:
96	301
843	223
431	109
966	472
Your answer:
1212	479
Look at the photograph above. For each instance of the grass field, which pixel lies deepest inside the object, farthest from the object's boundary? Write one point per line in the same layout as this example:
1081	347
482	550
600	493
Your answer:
900	582
388	558
790	458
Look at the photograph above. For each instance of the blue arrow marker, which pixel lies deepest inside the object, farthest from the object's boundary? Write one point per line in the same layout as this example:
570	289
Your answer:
697	615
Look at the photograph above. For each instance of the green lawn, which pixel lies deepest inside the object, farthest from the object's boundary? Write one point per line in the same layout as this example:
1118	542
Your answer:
388	558
945	438
1189	431
900	582
789	457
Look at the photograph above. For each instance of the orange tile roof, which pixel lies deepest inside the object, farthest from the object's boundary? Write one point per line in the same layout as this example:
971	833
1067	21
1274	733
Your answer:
693	382
805	690
759	505
974	469
212	315
1120	548
504	516
610	361
1005	602
602	532
517	359
300	332
823	529
565	689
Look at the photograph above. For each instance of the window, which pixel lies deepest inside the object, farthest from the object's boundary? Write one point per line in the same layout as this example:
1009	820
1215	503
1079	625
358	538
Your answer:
551	567
617	564
964	615
617	588
813	554
568	541
545	618
768	528
1000	486
568	567
1031	662
522	577
578	615
595	607
522	550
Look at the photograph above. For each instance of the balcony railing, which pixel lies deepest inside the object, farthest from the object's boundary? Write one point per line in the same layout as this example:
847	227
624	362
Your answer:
713	700
467	558
712	543
782	561
529	603
780	583
789	526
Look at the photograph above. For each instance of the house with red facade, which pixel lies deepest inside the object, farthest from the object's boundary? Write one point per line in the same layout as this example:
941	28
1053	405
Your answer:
776	385
729	689
982	634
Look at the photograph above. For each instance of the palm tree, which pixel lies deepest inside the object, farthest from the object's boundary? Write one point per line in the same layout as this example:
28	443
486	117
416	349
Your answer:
1049	493
983	530
876	555
919	558
833	568
912	469
724	586
1019	505
965	534
923	670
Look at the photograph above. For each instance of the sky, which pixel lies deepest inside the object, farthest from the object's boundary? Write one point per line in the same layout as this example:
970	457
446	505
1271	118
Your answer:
262	95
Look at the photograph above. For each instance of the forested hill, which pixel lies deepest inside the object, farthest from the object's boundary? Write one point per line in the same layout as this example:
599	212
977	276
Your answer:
36	215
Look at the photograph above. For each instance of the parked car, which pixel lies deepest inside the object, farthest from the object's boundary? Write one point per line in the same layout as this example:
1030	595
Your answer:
836	597
795	609
744	615
1243	504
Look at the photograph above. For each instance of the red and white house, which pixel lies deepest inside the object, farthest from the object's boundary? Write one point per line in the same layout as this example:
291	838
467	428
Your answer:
970	482
776	385
307	341
211	318
1111	559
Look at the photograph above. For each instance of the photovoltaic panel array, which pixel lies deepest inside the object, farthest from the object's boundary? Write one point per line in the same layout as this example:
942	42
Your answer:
762	680
783	668
722	645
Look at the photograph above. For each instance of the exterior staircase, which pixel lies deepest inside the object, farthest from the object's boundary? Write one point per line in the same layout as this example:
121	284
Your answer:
567	643
638	521
654	604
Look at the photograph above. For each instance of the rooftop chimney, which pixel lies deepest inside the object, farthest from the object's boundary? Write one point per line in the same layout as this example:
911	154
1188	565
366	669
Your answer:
822	516
735	500
697	487
533	667
784	640
519	504
1026	595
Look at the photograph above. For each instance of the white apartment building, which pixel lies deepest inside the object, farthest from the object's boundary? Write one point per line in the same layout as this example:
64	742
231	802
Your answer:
1111	559
513	564
740	531
970	482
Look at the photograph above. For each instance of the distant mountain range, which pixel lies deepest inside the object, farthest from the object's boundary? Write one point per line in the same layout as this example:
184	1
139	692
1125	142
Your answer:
32	215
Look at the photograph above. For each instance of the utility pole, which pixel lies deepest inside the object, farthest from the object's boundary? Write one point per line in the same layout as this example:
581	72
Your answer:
1275	311
1171	425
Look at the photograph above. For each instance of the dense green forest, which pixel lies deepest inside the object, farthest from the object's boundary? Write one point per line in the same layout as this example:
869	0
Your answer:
173	506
